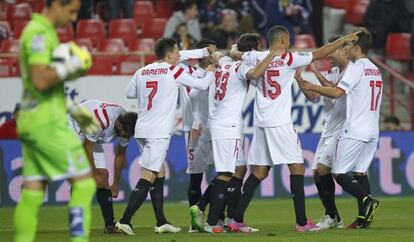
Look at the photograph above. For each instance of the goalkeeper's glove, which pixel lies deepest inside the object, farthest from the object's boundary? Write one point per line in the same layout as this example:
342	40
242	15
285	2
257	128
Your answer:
86	121
70	61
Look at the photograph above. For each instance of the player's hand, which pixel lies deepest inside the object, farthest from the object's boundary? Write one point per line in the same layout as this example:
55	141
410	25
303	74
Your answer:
196	133
70	61
87	122
101	182
115	190
352	37
305	85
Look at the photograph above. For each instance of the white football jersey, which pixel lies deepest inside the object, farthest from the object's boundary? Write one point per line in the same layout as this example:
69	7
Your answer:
273	102
334	109
362	83
200	101
231	88
156	88
106	115
185	103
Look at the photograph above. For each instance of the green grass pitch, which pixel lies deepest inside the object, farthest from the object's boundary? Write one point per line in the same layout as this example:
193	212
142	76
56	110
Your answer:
274	217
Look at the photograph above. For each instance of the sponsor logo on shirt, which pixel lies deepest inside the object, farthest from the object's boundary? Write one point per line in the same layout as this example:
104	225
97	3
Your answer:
38	43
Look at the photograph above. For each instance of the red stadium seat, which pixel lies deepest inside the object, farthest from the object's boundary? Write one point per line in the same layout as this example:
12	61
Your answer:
19	27
3	10
336	3
154	28
93	29
129	64
164	9
398	46
66	34
304	41
125	29
102	65
146	45
143	10
11	46
355	11
18	12
5	26
115	46
85	42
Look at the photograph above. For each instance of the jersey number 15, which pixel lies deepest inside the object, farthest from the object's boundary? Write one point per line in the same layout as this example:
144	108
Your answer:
274	90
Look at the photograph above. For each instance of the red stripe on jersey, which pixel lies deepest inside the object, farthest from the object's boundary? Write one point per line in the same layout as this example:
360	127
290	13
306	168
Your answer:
283	56
106	117
172	68
190	69
178	73
98	118
237	67
188	90
290	59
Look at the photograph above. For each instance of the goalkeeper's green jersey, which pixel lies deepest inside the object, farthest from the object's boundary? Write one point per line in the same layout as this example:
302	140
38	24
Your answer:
39	109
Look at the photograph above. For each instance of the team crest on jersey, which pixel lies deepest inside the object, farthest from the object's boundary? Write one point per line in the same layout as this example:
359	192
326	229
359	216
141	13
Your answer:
38	43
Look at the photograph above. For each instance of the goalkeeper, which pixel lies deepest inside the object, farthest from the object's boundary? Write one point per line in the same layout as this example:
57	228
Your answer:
51	151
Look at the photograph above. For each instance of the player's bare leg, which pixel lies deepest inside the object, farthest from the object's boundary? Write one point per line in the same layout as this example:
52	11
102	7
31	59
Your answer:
137	197
297	171
104	198
157	199
331	219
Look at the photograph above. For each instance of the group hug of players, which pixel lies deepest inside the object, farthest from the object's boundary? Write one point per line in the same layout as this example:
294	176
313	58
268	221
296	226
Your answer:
212	88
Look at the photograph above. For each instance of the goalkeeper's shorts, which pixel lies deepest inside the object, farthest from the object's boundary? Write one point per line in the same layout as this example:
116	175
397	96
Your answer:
53	153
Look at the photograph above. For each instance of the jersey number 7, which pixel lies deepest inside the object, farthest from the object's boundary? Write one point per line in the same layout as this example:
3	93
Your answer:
153	85
275	89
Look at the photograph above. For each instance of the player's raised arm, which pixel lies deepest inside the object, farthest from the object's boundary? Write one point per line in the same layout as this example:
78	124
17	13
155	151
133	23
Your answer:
321	78
132	91
310	95
185	79
331	47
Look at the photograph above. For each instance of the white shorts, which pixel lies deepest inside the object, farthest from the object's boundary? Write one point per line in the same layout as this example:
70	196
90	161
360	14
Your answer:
99	157
225	153
153	152
353	155
241	159
274	146
325	152
200	153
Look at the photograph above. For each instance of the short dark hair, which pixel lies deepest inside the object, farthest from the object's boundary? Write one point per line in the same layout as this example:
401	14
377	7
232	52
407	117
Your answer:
187	5
204	43
163	46
276	32
128	121
392	119
248	42
364	40
62	2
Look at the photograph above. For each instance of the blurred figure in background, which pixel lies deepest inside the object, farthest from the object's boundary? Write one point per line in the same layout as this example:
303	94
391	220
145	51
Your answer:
392	123
184	40
292	14
209	14
188	15
225	34
8	128
116	7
